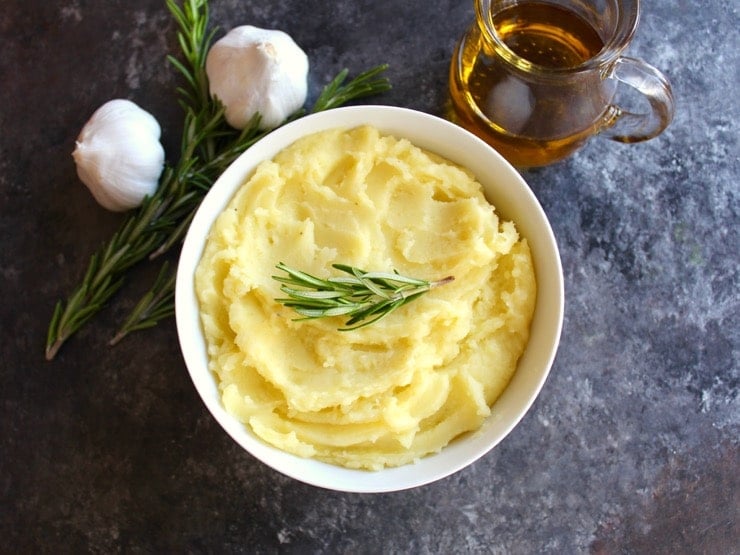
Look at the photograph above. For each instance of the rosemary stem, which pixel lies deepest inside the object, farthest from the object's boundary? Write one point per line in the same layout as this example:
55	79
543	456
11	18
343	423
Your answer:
208	146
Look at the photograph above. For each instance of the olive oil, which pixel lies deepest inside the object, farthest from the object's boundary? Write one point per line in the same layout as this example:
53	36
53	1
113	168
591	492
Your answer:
500	90
547	35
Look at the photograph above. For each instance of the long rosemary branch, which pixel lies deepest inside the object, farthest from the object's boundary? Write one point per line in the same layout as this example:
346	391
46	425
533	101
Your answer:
147	228
208	146
365	297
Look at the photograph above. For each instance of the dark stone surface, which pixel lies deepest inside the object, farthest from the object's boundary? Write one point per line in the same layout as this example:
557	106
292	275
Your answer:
632	446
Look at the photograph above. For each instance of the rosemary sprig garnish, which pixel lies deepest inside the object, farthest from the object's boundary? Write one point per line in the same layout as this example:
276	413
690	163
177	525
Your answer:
365	297
208	147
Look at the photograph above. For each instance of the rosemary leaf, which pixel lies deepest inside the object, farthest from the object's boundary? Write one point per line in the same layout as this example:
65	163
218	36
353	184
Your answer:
156	304
365	84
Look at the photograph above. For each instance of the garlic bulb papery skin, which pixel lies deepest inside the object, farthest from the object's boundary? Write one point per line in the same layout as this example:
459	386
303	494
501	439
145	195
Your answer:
252	70
119	156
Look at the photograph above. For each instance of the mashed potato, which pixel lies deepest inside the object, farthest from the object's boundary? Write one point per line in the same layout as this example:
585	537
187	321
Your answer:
401	388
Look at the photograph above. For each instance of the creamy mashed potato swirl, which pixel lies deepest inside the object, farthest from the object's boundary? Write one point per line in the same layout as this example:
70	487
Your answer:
401	388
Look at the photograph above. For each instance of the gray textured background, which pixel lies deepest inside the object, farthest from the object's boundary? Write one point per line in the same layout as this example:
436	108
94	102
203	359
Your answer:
632	446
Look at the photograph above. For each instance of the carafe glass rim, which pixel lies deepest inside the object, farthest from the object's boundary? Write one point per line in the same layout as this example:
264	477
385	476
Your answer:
628	15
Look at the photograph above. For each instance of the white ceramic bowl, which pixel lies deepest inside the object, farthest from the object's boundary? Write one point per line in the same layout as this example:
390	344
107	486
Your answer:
513	199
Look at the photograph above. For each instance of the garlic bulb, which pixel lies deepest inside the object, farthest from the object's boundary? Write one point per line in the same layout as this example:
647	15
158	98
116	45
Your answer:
254	70
119	156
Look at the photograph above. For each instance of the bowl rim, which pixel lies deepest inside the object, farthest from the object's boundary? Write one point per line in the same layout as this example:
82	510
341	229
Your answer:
500	179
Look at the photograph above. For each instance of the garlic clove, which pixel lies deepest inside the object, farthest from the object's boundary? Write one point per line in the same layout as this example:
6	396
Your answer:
118	155
252	70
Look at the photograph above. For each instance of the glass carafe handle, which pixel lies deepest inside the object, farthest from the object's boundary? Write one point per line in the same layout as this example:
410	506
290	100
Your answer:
629	127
